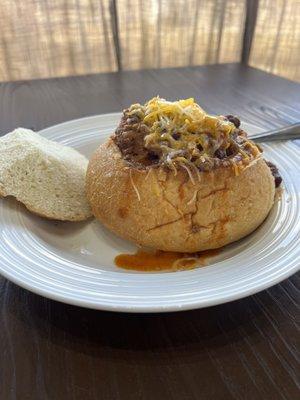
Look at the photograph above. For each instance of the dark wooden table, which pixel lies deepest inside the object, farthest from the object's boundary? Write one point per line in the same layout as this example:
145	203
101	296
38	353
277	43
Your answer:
248	349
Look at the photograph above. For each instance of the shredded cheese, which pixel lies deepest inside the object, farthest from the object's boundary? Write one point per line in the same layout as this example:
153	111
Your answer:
182	134
189	173
194	197
134	186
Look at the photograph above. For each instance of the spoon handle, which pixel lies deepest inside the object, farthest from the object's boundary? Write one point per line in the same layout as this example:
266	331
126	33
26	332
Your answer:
285	133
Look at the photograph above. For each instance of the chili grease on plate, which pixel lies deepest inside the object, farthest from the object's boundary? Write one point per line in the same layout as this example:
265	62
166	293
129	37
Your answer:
163	260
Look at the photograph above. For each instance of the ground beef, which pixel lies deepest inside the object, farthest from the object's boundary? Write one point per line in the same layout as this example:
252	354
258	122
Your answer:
220	153
129	137
176	136
275	173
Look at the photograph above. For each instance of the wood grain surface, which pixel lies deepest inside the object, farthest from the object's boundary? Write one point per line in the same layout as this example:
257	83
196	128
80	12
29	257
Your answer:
247	349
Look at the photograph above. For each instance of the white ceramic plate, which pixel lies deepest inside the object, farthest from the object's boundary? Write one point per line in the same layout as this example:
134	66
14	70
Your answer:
73	262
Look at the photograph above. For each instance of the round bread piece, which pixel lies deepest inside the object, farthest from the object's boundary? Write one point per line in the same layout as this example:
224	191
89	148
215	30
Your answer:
157	209
47	177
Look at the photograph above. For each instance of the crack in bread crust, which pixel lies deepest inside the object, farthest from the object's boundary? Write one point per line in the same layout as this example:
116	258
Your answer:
191	214
163	195
214	192
167	223
194	213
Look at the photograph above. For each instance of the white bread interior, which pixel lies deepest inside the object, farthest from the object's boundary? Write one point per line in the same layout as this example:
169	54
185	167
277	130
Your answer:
47	177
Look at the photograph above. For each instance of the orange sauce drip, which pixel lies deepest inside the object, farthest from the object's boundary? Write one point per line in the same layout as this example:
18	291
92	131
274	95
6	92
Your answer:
163	260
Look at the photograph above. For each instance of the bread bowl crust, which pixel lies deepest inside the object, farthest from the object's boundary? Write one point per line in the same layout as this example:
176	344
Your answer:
157	209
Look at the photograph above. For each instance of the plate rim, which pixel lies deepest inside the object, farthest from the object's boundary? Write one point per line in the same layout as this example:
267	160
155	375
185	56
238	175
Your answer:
192	305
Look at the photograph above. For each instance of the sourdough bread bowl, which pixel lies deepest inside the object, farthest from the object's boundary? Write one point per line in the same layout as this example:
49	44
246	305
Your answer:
178	195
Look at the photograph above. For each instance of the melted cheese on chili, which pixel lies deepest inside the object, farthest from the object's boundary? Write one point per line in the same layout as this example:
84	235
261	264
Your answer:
181	132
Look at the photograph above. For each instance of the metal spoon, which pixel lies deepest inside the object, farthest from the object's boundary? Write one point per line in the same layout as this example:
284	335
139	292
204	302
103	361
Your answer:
285	133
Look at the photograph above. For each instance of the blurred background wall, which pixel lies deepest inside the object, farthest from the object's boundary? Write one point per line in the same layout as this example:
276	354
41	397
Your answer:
50	38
